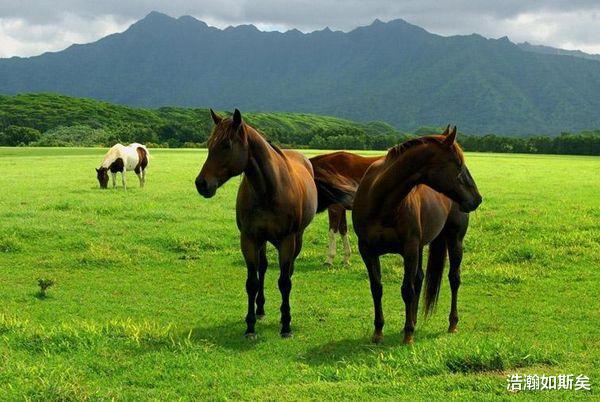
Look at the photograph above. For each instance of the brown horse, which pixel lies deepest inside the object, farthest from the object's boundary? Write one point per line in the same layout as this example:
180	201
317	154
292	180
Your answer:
276	201
419	194
352	167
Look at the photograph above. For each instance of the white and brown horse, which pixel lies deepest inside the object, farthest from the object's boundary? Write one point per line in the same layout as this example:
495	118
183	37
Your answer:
349	168
121	158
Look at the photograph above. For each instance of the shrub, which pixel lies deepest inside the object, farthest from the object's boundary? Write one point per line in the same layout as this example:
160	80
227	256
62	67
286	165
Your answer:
16	135
44	284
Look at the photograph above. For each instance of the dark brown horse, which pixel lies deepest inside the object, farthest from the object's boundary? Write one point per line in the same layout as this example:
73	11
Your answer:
419	194
352	167
276	201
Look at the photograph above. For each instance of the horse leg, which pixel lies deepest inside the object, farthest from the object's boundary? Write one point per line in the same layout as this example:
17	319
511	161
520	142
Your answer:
455	253
331	249
345	240
287	254
139	175
333	228
374	269
298	246
251	252
143	177
114	179
419	283
262	269
411	262
123	179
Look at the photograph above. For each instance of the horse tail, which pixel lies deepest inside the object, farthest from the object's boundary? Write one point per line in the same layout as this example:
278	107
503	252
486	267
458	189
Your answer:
435	268
333	188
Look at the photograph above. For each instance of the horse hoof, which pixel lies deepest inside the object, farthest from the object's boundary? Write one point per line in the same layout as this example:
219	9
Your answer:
377	338
408	340
287	334
328	264
250	335
452	330
260	316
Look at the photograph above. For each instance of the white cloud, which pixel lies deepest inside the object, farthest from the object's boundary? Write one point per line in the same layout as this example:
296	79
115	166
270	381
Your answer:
19	37
35	26
564	29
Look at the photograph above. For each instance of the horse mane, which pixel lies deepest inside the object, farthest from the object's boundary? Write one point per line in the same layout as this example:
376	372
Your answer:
110	155
228	133
275	147
397	150
221	133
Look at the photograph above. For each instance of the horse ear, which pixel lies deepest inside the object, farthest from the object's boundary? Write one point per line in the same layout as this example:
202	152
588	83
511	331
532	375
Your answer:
97	170
451	137
446	130
216	118
237	118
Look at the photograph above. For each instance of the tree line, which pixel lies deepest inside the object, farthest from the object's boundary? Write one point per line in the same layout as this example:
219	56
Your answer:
582	143
173	136
54	120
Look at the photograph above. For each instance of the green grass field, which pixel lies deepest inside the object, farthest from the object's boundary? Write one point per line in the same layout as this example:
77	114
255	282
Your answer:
149	299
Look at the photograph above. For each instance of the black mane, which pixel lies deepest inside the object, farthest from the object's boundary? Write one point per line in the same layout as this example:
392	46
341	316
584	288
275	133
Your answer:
399	149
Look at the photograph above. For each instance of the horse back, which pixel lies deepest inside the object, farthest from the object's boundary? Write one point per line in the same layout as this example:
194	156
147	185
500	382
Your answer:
347	164
420	216
299	162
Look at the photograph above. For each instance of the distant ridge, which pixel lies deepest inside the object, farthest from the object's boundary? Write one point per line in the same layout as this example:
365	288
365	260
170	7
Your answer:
390	71
556	51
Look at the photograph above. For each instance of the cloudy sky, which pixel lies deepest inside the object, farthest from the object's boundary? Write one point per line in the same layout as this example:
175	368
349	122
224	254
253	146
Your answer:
30	27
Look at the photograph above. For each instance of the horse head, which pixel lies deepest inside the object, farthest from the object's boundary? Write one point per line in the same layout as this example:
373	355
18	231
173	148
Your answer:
447	173
227	153
102	176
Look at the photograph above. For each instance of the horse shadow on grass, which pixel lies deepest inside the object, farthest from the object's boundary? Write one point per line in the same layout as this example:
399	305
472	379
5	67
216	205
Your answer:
310	265
358	349
230	335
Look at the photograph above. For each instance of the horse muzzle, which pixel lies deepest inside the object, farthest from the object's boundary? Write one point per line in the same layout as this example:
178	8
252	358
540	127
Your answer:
471	205
205	189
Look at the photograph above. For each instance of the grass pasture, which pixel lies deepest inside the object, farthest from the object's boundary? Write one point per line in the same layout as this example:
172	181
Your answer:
149	299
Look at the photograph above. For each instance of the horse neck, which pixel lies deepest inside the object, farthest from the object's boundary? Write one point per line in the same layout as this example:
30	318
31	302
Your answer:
372	159
363	163
399	177
110	157
266	167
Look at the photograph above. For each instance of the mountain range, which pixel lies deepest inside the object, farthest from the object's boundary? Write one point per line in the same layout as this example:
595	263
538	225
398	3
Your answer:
394	72
556	51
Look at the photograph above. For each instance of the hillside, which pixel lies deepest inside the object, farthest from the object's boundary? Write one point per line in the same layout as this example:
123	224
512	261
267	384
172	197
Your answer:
556	51
91	122
394	72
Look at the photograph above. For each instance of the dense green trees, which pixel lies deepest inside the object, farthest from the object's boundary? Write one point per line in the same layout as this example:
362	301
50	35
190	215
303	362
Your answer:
66	121
584	143
53	120
17	135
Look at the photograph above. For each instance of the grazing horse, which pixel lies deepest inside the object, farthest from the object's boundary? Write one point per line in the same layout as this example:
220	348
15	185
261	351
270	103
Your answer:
419	194
276	201
352	167
121	158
